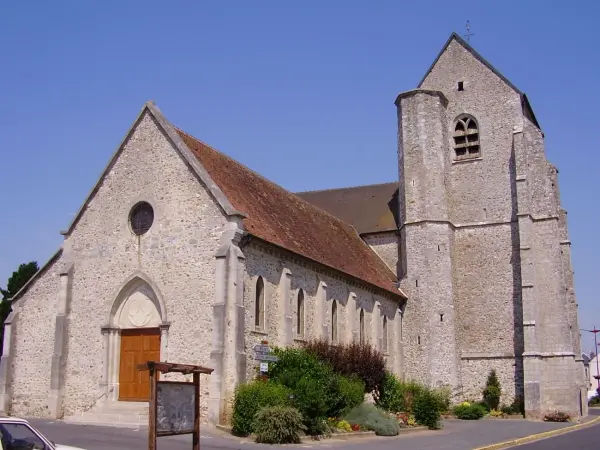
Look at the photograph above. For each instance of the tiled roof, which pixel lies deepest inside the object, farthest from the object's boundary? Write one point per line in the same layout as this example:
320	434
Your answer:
369	209
280	217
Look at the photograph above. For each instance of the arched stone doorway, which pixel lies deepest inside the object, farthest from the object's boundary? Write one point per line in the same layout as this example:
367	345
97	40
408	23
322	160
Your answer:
137	332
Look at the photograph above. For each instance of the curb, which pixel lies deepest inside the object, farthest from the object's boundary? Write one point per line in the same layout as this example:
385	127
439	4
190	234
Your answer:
539	436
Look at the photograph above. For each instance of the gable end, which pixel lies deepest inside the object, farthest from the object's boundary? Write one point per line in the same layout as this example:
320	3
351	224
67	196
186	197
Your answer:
525	105
184	152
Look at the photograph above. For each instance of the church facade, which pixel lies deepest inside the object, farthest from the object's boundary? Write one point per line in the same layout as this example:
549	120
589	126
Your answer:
182	254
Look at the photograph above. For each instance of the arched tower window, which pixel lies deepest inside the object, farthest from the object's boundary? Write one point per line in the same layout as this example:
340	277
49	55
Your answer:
334	333
466	138
300	314
259	304
362	326
384	340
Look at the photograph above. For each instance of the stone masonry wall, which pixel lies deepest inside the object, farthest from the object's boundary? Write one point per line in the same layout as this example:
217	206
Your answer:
177	254
386	246
270	265
480	192
35	344
489	313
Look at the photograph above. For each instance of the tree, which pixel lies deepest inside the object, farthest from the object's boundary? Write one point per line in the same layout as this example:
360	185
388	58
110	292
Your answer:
17	280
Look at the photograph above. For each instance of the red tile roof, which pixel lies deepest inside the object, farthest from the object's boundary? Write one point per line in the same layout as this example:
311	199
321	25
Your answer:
279	217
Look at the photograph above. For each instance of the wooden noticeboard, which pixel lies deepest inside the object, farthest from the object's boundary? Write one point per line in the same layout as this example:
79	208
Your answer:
174	405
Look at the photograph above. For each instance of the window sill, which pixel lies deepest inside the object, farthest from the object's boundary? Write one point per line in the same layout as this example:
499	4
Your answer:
466	160
260	332
300	339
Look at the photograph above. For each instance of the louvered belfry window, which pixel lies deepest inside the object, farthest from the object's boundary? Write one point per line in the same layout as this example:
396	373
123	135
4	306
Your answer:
466	138
141	218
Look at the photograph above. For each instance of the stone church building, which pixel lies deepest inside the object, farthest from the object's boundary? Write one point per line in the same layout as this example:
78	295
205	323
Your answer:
182	254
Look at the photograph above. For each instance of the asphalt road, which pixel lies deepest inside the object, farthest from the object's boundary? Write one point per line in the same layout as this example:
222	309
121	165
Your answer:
456	435
584	439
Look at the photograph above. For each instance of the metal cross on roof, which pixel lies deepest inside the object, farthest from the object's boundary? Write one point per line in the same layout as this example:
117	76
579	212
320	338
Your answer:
469	34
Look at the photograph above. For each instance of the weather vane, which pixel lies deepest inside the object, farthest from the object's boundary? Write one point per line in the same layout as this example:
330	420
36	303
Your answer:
469	34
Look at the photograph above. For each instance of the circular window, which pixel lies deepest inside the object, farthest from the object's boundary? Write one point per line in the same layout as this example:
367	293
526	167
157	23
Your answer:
141	218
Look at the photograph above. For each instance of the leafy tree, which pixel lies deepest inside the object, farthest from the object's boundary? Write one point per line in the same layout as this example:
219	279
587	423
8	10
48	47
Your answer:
17	280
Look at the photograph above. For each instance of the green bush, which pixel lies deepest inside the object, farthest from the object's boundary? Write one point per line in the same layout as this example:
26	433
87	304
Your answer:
250	398
398	396
294	364
318	391
427	406
391	396
345	394
374	419
361	360
492	391
311	397
468	411
278	425
443	396
594	401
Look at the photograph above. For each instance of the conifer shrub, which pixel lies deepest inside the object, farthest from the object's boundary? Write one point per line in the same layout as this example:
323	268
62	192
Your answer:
250	398
278	425
371	418
354	358
492	391
426	409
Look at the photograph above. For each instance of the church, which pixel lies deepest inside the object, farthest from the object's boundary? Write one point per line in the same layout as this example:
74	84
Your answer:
181	254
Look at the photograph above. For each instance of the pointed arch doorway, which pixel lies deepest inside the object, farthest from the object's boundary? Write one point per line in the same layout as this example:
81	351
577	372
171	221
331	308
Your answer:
137	333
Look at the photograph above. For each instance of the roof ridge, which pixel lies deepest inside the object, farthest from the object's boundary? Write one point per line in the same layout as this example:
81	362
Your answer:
345	188
311	205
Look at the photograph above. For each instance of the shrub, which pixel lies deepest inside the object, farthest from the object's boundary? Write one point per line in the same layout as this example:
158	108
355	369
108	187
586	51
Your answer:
391	397
294	364
397	396
594	401
496	413
516	408
319	392
345	394
361	360
427	409
311	398
518	405
250	398
343	425
557	416
371	418
443	395
467	411
492	391
278	425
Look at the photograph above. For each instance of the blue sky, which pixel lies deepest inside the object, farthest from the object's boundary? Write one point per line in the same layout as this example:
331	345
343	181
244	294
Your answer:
300	91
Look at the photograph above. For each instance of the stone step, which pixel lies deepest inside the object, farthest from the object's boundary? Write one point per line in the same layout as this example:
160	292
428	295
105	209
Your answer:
116	414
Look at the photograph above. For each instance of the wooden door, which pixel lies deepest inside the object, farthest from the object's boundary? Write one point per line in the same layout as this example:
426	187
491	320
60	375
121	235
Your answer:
137	347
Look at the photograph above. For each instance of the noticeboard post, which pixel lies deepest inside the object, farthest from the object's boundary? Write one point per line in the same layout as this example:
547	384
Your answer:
174	405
